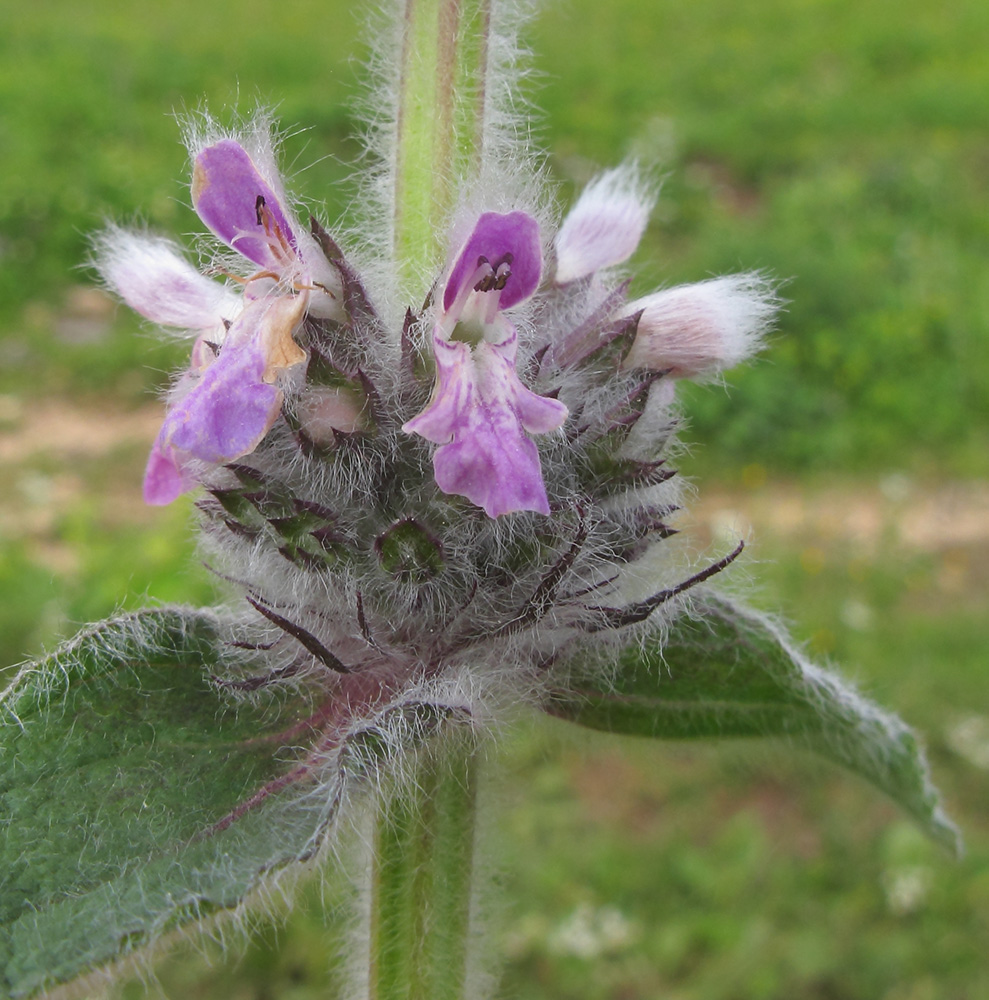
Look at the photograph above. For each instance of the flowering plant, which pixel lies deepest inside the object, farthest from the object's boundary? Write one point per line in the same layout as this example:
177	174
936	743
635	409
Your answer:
432	460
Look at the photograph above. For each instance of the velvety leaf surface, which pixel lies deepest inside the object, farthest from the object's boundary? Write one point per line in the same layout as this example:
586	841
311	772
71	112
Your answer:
117	755
729	671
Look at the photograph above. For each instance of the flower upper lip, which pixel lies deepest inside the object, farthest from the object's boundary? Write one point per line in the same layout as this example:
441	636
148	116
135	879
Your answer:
241	207
501	246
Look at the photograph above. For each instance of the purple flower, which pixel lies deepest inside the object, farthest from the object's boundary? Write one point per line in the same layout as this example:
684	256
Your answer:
480	413
227	400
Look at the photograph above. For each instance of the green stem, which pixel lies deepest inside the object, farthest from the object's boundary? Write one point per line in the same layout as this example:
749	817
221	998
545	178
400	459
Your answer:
420	920
440	126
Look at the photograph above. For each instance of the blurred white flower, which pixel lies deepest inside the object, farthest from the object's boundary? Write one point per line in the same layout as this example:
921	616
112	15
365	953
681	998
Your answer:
589	932
907	888
969	738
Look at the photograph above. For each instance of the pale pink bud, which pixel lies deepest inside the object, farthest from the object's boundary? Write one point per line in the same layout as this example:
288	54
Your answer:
701	329
605	226
324	410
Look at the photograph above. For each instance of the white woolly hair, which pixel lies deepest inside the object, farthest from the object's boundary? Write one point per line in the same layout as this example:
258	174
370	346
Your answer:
701	329
605	225
150	273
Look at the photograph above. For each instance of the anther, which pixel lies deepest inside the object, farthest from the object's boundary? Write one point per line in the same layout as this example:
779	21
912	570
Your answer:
487	280
501	276
258	205
495	275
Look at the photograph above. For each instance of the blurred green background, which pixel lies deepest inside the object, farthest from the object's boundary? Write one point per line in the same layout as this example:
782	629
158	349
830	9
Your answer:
841	145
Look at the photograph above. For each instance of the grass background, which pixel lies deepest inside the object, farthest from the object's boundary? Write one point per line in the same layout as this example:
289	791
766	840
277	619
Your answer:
843	146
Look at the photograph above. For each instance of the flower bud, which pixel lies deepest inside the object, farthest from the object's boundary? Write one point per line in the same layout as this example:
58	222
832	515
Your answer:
697	330
324	410
152	277
604	227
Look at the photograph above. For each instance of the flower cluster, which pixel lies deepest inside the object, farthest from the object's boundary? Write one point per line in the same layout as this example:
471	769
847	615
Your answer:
404	491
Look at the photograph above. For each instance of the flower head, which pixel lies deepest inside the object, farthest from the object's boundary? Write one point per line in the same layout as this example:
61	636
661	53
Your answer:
480	413
298	407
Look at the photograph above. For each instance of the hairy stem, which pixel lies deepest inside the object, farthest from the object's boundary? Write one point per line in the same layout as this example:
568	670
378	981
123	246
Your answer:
440	124
420	919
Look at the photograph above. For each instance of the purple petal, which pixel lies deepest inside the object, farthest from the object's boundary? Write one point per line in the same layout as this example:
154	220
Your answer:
232	404
496	235
539	414
536	414
164	481
479	414
241	207
453	394
225	416
153	279
229	409
497	468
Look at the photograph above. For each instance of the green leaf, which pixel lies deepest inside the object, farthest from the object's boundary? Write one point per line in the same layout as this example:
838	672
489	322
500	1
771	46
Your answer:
726	670
119	755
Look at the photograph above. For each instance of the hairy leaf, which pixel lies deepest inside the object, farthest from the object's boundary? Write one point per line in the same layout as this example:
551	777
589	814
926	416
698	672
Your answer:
121	761
726	670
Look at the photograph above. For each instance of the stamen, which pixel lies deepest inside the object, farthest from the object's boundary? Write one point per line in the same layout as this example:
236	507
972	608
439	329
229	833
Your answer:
503	270
487	279
483	277
473	282
278	243
257	276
